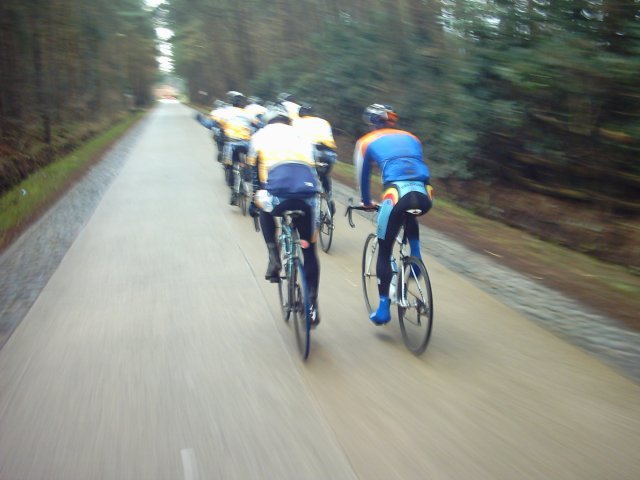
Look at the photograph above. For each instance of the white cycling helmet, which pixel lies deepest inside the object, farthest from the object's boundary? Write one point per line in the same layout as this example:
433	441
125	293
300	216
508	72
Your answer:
277	113
380	115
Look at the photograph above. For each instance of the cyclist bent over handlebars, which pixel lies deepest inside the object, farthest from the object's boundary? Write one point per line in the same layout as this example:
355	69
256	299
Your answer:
318	131
237	128
282	164
405	180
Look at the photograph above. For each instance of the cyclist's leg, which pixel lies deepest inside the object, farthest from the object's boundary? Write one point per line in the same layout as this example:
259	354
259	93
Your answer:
228	164
325	179
420	201
235	178
389	223
268	228
220	145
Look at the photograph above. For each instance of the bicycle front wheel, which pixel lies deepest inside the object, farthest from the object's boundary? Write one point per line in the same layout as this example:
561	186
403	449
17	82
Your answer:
369	272
283	284
300	302
415	306
326	225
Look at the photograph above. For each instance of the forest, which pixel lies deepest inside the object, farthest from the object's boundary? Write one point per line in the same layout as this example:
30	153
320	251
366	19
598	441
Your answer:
68	69
528	102
536	97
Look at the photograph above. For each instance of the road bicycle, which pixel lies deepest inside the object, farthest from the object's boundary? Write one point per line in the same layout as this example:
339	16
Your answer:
410	287
292	288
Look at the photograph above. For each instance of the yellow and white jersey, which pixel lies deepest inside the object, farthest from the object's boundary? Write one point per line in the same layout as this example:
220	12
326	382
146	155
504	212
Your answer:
255	109
317	130
218	114
285	160
292	108
236	124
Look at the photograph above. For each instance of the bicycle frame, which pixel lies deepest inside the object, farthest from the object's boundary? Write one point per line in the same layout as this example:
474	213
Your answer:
400	297
290	242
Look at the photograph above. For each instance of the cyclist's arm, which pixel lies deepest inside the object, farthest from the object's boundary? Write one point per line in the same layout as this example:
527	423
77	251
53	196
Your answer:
363	172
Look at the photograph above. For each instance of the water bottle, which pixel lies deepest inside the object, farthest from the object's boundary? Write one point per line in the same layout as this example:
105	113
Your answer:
394	279
264	200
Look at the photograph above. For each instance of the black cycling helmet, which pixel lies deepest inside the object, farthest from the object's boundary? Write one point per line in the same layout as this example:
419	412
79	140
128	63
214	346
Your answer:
236	99
380	115
255	100
277	113
305	110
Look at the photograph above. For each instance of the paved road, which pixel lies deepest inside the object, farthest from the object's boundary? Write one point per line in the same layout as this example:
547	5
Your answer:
156	351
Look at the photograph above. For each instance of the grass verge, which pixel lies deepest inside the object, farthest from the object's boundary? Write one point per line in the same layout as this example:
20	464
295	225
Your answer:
23	204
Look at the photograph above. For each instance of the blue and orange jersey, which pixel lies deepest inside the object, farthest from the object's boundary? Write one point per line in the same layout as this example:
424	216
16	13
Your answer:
397	153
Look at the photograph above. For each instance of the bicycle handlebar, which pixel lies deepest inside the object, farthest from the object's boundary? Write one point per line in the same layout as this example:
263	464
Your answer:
363	208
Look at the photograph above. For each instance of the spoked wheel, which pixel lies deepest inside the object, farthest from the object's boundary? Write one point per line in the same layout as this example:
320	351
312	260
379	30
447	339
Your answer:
415	306
283	285
369	272
326	225
300	303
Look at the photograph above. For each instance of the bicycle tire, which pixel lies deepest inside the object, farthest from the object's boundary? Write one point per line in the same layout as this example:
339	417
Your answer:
283	284
228	175
326	225
300	301
369	272
242	200
416	317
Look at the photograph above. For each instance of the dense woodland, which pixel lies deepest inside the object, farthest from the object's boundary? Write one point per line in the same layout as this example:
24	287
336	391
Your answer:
530	95
68	69
541	94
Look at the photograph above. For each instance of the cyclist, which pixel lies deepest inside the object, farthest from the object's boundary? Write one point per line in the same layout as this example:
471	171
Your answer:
318	131
288	101
237	128
405	180
219	109
255	110
285	179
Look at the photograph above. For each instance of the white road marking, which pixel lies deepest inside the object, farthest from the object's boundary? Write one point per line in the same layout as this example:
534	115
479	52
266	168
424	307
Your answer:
189	465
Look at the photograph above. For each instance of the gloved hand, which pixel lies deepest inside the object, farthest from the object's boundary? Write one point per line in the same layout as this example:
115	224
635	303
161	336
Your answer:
254	211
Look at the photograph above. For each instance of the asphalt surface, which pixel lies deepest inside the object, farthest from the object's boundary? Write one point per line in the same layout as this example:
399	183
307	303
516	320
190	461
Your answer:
142	342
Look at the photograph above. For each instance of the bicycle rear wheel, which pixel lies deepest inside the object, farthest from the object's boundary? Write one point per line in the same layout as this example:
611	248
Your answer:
245	191
415	306
299	298
326	225
369	272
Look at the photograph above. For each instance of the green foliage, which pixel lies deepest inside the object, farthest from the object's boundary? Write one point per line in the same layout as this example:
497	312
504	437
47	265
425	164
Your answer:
20	204
528	92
